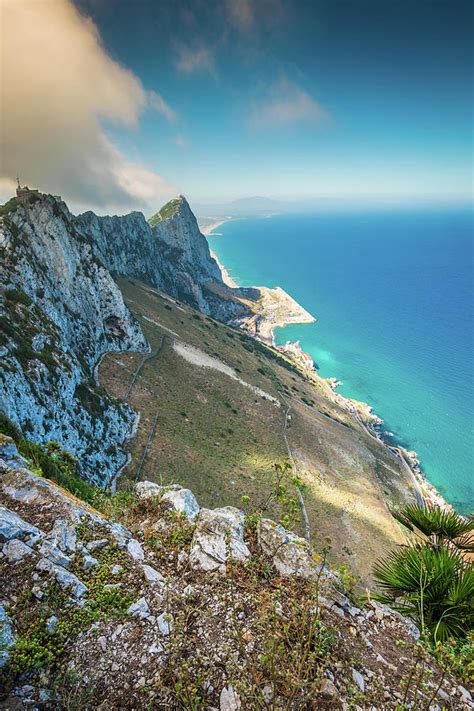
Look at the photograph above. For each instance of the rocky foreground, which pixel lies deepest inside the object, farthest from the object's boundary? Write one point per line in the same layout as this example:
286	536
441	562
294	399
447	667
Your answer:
177	607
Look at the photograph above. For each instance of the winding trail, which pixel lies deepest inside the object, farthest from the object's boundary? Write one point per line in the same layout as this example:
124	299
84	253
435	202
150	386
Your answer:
153	354
307	526
145	359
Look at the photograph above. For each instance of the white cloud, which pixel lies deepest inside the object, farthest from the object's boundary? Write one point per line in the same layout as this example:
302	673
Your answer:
284	104
199	60
58	82
157	102
181	142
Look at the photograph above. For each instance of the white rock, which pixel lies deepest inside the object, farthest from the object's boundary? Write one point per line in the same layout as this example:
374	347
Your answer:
63	535
63	577
89	562
359	680
183	501
148	490
135	550
7	638
116	569
15	550
164	624
13	526
229	700
139	609
50	551
51	623
152	575
102	642
290	553
219	535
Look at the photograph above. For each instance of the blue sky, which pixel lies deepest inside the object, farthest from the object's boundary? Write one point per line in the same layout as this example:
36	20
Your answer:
233	98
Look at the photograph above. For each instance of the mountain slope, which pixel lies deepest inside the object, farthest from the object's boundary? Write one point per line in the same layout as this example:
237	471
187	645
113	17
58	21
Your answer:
61	311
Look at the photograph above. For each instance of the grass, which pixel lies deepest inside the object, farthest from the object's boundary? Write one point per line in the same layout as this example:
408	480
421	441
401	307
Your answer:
165	212
220	440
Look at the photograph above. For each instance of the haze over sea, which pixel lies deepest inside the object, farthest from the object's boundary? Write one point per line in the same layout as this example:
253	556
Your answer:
392	292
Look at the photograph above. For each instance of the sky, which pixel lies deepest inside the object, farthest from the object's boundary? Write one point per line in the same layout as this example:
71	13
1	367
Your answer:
121	104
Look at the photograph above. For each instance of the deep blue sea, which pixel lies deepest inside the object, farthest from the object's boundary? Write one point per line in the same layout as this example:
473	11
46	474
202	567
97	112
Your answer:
392	293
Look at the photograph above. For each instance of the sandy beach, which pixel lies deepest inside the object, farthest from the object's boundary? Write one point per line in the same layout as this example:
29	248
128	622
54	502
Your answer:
206	230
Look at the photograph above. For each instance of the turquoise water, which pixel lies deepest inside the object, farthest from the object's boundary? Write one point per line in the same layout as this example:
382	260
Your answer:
393	298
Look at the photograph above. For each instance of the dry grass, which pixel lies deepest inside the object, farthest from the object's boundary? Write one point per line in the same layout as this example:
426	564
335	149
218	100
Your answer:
210	433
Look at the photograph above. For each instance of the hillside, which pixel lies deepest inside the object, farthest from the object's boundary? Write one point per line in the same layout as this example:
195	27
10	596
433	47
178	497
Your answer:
193	400
181	607
203	424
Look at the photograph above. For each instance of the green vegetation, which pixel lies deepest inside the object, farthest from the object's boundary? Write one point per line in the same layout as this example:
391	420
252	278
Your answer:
9	206
49	461
165	212
430	579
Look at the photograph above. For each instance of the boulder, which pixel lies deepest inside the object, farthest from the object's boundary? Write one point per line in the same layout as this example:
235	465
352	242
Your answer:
219	535
180	499
10	454
15	550
13	526
63	535
152	575
183	501
148	489
63	577
54	554
135	550
139	609
291	554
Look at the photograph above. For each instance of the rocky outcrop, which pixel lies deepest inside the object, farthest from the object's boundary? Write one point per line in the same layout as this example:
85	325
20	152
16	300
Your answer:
106	616
172	256
62	311
219	536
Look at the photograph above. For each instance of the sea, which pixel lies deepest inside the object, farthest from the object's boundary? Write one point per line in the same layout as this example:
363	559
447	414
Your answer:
392	292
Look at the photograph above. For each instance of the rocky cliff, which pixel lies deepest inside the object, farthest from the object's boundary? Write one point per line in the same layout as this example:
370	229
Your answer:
61	311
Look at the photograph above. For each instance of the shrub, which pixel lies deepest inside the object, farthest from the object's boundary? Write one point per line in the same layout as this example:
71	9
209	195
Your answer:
430	579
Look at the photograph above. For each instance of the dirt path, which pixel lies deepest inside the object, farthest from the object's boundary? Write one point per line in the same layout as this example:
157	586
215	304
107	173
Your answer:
294	471
145	359
149	356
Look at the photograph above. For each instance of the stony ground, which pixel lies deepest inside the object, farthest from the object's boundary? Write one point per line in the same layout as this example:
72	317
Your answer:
177	607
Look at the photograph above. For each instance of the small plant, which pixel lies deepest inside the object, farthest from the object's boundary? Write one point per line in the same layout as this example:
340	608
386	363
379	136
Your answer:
430	579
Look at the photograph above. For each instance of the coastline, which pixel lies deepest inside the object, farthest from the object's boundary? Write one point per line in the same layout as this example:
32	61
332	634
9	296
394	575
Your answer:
206	231
275	312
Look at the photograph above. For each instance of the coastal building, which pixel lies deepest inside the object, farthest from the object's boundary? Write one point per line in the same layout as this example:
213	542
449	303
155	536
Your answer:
294	351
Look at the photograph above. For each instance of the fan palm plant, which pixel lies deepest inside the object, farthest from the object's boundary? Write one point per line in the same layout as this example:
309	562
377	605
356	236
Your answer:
431	580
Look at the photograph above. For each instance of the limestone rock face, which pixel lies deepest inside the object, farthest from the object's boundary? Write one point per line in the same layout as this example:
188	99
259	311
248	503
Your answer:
219	535
291	554
63	311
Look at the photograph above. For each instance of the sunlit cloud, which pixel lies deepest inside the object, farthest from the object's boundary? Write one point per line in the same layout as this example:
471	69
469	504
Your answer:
198	60
58	82
284	104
